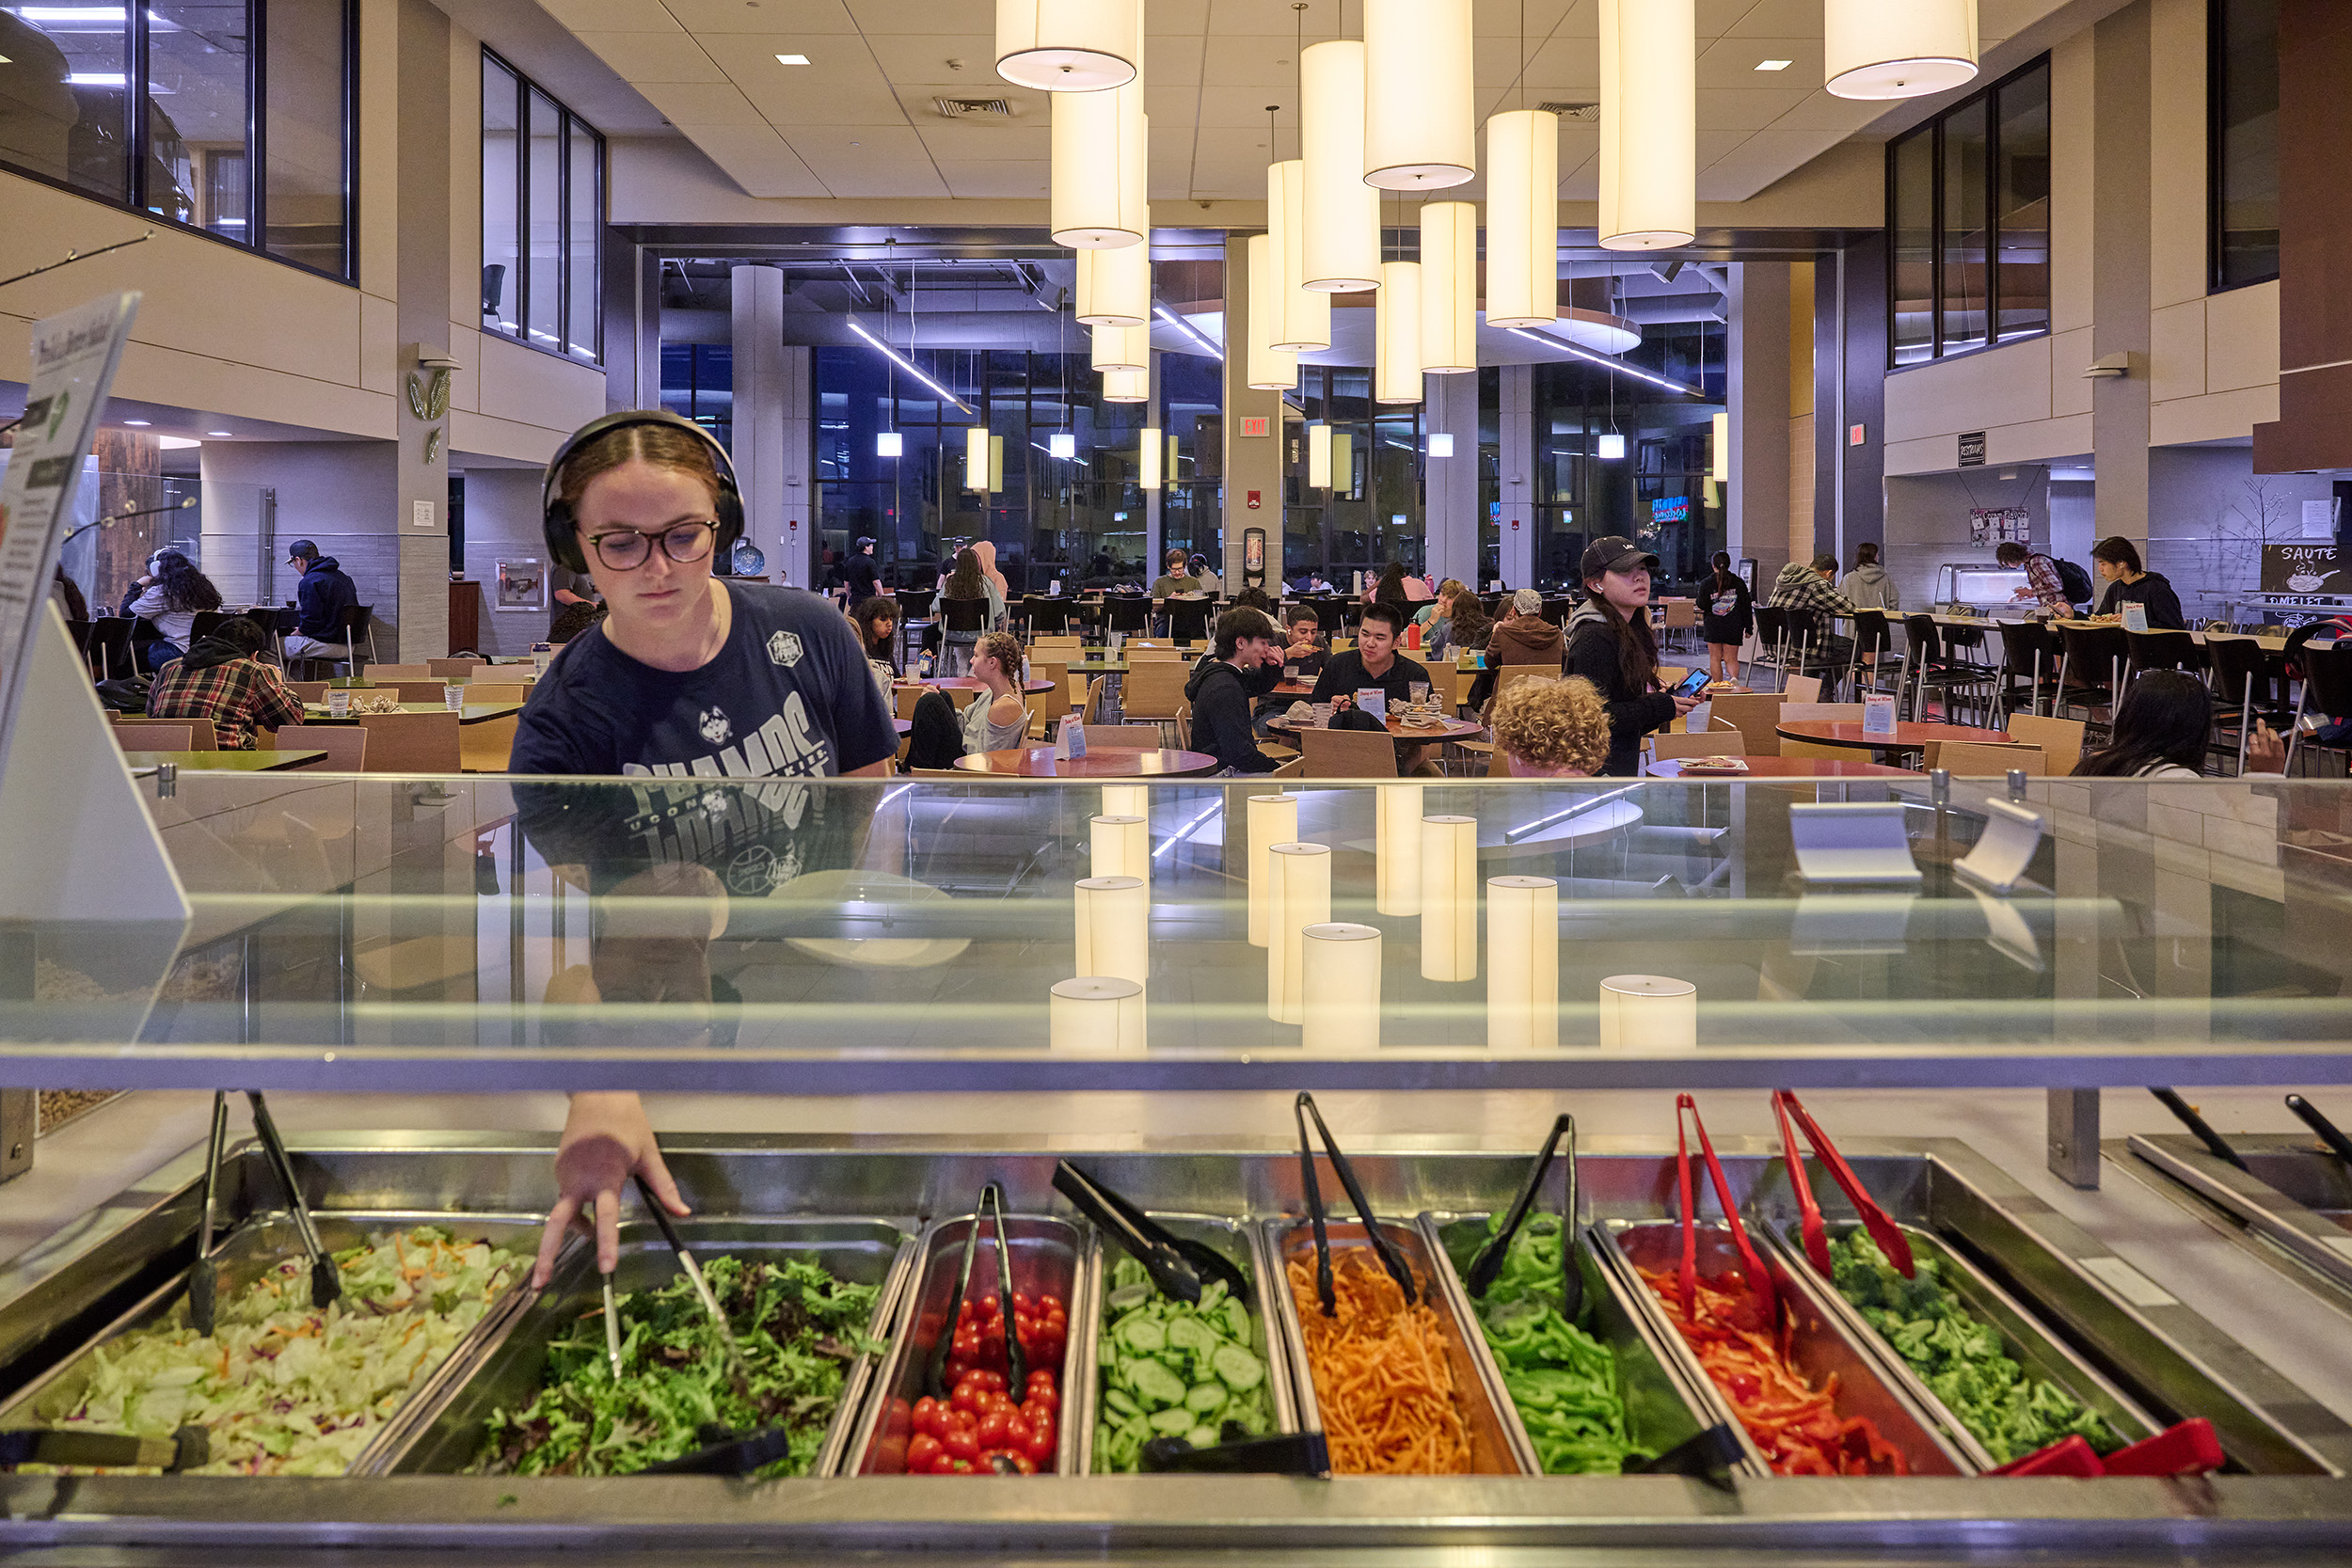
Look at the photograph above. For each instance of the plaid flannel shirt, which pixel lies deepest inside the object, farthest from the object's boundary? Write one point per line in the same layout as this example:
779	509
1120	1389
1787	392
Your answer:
2041	577
238	697
1813	596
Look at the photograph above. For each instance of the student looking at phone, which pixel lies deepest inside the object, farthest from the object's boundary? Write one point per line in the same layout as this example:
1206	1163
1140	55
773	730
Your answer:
1609	645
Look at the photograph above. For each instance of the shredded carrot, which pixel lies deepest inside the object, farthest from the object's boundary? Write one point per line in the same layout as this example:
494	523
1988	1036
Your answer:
1381	1372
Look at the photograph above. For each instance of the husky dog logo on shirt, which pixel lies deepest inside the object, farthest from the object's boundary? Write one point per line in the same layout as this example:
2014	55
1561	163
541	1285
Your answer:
715	726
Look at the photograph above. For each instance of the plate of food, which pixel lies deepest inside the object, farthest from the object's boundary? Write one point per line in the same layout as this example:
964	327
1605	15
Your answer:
1714	765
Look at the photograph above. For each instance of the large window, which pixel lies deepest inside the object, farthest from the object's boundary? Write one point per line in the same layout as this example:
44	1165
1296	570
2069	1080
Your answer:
1969	212
173	107
542	216
2243	102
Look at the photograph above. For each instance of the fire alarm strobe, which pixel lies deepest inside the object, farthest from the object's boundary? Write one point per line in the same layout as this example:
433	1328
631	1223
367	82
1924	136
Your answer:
1254	502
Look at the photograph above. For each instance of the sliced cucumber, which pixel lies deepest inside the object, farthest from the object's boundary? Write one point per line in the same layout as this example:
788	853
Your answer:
1141	1335
1154	1383
1128	1296
1175	1422
1202	1437
1237	1368
1207	1399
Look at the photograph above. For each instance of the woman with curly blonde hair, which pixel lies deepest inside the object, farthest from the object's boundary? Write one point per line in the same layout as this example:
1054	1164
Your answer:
1548	729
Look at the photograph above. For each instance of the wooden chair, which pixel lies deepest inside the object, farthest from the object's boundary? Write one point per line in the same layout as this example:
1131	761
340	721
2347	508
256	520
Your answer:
902	699
1512	673
1801	688
308	691
158	735
1967	759
1670	675
385	673
488	747
1294	767
345	745
1153	690
1666	745
1445	684
412	742
1757	716
2059	739
1138	654
1348	754
1090	699
1125	737
1842	713
1044	708
1681	615
458	667
416	691
200	733
477	691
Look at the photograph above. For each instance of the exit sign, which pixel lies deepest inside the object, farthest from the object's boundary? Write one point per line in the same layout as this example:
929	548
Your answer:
1255	424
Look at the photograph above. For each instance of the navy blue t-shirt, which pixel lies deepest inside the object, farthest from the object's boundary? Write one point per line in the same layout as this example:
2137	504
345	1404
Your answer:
789	696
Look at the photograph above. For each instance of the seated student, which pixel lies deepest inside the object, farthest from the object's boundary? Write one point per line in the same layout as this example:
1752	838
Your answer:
1522	638
2161	729
168	596
997	721
1373	662
1548	729
2116	560
877	622
1305	651
1246	644
222	679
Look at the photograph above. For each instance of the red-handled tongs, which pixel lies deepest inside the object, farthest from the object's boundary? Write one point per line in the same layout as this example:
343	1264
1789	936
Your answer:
1883	1230
2189	1448
1759	1279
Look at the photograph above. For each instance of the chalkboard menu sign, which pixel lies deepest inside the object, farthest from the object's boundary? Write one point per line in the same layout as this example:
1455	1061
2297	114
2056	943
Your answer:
2316	567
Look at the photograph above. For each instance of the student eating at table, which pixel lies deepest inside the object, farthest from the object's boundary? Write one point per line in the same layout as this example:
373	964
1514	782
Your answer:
1305	651
1374	661
2117	561
222	679
1247	644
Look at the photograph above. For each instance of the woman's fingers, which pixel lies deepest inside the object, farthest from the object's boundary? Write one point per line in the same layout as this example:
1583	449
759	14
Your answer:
608	1230
551	1239
656	1175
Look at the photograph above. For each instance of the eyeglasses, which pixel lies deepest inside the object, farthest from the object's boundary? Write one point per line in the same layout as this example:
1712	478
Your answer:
626	549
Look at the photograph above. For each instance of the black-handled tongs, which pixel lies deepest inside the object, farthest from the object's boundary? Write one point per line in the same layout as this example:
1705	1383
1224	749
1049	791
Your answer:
1286	1453
2330	1133
1016	1366
1391	1258
1177	1266
693	1270
727	1452
2197	1124
326	1285
1488	1263
188	1449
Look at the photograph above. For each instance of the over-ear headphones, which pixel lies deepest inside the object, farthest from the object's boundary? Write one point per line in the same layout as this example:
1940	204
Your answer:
556	518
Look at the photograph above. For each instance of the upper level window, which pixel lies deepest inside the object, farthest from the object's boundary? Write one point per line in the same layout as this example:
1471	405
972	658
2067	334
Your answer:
2243	103
542	216
1968	223
233	117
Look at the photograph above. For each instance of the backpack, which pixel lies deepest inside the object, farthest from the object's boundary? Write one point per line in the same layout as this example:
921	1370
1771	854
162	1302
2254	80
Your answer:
1357	719
2074	579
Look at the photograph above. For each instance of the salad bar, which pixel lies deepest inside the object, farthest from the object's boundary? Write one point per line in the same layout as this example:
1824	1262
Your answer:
1193	1351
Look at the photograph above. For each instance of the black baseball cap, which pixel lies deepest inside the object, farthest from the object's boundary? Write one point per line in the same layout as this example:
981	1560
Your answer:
1614	554
302	549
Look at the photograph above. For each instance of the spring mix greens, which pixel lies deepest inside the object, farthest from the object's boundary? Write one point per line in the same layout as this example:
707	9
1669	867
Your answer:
797	1327
2007	1409
1170	1370
286	1388
1562	1379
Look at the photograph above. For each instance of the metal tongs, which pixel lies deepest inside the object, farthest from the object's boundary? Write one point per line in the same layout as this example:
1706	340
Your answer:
326	1284
1759	1279
1885	1231
1016	1366
188	1449
2330	1133
693	1274
1490	1258
2197	1124
1390	1259
1177	1266
613	1317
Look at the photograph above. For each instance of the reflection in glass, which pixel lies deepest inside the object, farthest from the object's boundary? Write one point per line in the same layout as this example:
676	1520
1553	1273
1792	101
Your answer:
502	161
1913	239
582	207
62	97
2245	141
304	134
1967	232
195	115
2022	197
543	196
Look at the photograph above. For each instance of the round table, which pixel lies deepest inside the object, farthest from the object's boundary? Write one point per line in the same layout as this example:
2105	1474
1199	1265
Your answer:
1779	768
1451	729
1907	737
968	683
1038	762
1096	666
1294	689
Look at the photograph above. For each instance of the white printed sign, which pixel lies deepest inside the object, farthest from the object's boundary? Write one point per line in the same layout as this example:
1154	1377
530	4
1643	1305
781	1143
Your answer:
73	359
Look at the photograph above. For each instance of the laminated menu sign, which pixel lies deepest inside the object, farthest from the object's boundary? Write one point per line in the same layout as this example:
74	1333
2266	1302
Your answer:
73	359
2300	568
2134	617
1878	715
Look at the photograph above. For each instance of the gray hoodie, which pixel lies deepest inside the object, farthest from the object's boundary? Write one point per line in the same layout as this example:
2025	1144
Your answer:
1871	588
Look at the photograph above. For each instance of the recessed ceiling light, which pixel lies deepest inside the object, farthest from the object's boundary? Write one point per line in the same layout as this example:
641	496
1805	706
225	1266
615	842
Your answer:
177	443
139	421
1773	65
791	60
218	432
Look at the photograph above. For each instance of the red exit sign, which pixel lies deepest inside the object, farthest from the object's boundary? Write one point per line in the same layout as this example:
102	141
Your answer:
1255	424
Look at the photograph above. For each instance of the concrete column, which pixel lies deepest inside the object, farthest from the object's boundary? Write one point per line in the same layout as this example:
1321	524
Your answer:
792	557
1450	504
2121	281
1858	501
1253	464
1757	337
1514	422
502	523
761	394
419	516
632	325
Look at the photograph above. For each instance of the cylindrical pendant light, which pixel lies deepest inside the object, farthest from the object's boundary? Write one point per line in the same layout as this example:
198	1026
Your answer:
1119	846
1522	963
1449	286
1340	987
1306	313
1126	386
1342	213
1396	848
1131	800
1523	218
1649	171
1449	898
1396	333
1875	49
1148	454
1719	453
1096	144
1270	368
1421	121
1095	1013
1122	348
1342	468
1648	1012
995	463
1068	45
1113	916
1302	881
1319	457
1273	819
1114	287
975	454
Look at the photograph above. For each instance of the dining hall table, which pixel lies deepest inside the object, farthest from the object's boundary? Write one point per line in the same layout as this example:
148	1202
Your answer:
1909	735
1776	768
224	762
1110	762
472	713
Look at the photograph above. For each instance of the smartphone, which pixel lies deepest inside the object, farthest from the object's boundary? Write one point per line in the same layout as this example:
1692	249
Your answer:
1691	685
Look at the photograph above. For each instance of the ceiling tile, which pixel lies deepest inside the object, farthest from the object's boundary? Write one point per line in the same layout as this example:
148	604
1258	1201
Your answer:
1824	111
980	141
1171	61
1243	109
1714	143
1723	109
870	161
691	103
612	16
1579	180
859	104
1501	19
1788	19
907	57
749	59
1176	16
1230	17
925	16
756	158
654	56
976	180
762	16
1763	159
1731	63
1247	60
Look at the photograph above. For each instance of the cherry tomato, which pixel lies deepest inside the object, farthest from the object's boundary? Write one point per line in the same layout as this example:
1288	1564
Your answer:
1043	1438
923	1453
962	1441
943	1466
988	1304
966	1397
1021	1301
963	1467
1042	1397
1019	1461
927	1416
991	1380
1016	1432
